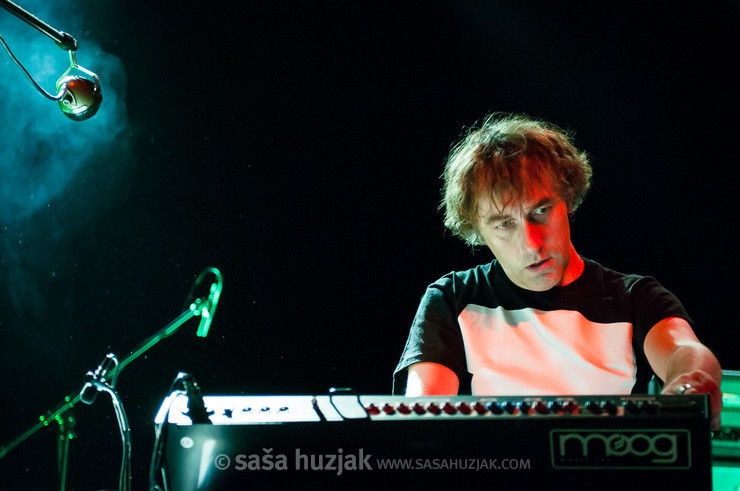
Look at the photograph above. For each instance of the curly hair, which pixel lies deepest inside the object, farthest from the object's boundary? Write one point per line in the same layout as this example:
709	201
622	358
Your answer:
508	155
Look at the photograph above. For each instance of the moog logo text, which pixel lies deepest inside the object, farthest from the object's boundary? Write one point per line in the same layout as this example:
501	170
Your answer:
620	448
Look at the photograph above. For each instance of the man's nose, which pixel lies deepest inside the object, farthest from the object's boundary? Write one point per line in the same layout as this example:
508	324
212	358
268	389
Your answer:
531	236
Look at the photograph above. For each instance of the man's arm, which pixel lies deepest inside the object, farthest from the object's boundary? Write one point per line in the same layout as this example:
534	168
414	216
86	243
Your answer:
680	360
431	379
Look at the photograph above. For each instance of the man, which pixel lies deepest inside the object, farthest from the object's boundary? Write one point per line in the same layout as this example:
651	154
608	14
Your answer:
540	319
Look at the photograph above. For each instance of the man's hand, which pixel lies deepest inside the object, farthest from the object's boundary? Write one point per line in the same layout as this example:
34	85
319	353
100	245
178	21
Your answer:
698	382
431	379
684	364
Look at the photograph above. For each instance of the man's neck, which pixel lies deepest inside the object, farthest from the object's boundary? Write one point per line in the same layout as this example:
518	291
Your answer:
574	269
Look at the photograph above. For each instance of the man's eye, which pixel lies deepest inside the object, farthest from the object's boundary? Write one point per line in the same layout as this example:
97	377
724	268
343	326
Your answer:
505	225
542	211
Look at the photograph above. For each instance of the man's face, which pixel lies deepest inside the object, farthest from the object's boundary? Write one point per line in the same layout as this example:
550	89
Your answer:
530	238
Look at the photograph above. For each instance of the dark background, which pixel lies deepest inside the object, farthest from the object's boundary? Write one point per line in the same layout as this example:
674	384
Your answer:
297	147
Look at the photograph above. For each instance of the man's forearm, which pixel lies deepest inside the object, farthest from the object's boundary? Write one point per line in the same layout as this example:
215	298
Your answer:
692	357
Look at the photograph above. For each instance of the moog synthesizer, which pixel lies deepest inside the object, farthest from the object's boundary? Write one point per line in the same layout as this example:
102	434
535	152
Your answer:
368	442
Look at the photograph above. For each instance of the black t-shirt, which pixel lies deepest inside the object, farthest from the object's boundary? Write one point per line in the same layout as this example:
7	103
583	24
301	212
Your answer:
583	338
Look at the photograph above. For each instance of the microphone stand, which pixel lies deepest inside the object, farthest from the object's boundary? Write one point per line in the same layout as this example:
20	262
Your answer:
62	413
63	40
99	381
78	98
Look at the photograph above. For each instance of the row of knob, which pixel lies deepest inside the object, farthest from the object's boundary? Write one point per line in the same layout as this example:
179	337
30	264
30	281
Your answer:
512	408
247	410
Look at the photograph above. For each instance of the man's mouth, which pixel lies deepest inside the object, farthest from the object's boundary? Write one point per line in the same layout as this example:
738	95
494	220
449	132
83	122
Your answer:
535	267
